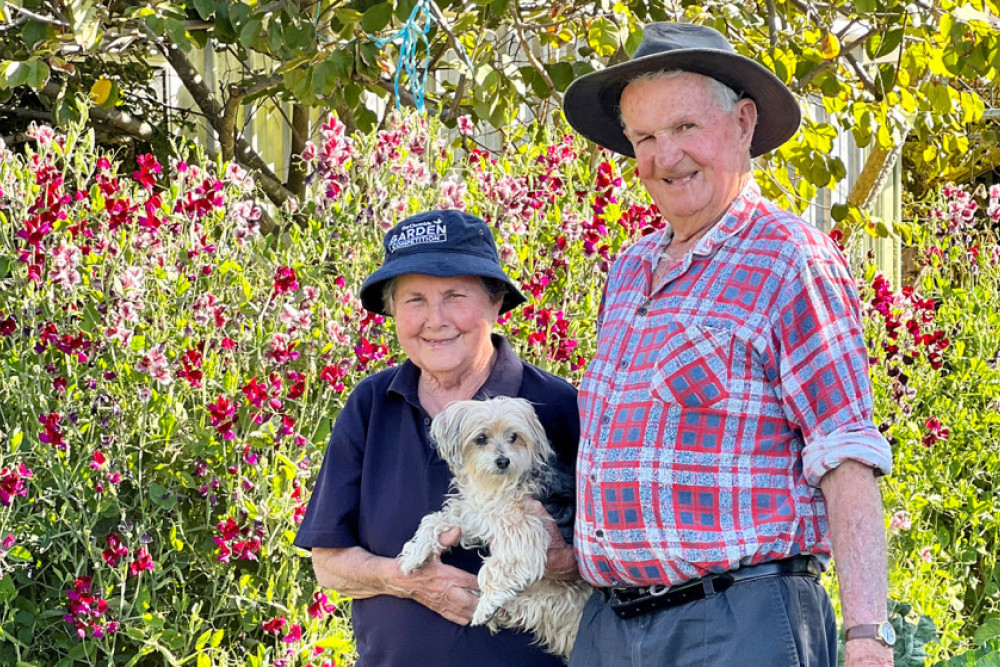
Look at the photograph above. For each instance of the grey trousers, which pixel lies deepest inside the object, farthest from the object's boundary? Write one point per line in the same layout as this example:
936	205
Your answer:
784	621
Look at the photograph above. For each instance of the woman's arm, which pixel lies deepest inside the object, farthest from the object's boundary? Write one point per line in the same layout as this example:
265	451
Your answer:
357	573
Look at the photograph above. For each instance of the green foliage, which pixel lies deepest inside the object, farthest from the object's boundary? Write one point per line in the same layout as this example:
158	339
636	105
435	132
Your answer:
882	71
937	392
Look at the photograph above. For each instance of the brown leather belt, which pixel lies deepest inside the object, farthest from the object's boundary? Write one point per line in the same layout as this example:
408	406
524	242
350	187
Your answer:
631	602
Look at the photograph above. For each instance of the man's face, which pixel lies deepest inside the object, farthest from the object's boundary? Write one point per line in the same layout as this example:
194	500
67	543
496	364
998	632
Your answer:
691	156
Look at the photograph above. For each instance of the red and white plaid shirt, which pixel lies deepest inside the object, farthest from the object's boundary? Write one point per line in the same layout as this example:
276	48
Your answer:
716	403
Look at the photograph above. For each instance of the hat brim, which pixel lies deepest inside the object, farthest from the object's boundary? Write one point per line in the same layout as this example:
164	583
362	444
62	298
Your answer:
591	102
448	265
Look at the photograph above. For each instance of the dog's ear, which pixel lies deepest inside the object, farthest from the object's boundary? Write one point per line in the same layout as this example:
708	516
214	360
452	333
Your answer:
541	449
446	432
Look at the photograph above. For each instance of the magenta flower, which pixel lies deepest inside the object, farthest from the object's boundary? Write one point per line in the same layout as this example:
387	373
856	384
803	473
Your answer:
86	611
294	634
275	625
223	416
935	431
51	433
320	606
285	280
143	561
115	550
12	483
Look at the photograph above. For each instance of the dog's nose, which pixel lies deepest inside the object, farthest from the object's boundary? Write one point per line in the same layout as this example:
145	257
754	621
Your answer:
503	462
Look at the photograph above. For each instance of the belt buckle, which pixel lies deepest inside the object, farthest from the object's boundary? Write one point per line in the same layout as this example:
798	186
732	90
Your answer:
656	590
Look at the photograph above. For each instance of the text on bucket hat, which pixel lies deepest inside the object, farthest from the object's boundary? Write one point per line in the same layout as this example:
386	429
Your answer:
591	102
443	244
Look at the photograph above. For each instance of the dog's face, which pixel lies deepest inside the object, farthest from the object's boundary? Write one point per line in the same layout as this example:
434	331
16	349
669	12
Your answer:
491	443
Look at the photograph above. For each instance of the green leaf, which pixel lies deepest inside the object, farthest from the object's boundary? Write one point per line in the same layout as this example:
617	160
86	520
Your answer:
348	16
561	74
38	75
324	78
603	37
8	591
299	35
35	31
987	631
16	73
249	32
376	17
238	14
864	6
205	8
177	33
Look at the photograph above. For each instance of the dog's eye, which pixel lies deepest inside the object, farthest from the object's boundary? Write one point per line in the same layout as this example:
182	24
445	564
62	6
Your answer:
481	439
513	438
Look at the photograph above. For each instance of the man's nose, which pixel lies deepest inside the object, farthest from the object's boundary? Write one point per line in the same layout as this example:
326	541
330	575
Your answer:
668	152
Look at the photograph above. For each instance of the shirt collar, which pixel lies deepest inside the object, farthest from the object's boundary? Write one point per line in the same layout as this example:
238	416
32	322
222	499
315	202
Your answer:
736	218
504	379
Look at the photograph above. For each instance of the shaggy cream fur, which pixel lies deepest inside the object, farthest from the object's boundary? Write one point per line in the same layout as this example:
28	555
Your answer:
497	451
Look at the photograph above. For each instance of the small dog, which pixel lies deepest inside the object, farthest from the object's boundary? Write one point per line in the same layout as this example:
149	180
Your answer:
497	451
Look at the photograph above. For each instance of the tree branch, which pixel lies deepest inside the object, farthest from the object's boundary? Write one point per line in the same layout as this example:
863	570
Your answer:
215	115
863	76
133	127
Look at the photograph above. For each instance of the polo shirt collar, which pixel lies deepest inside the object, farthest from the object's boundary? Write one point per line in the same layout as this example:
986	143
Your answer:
504	379
736	218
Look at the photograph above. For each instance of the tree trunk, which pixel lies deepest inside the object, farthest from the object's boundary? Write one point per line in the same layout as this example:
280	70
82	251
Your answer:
300	134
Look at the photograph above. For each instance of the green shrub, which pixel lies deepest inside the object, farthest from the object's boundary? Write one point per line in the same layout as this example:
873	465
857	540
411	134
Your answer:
168	378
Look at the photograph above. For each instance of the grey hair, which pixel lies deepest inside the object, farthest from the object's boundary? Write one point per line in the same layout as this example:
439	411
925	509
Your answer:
725	97
495	290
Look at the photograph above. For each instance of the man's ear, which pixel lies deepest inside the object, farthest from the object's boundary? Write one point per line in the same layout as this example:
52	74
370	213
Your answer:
746	120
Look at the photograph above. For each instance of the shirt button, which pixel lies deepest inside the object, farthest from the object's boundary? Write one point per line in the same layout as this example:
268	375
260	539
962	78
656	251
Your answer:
593	477
623	363
427	421
643	310
605	419
599	533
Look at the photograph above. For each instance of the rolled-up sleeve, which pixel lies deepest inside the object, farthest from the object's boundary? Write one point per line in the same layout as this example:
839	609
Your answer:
823	366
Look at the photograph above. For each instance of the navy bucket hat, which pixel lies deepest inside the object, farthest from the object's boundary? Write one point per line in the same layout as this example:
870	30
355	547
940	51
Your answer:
443	244
591	101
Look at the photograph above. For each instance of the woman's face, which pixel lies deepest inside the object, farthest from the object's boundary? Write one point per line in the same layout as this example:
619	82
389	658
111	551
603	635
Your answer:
444	324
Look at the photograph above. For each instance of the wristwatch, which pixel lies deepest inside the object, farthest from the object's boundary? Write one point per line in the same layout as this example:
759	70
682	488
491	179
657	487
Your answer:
882	632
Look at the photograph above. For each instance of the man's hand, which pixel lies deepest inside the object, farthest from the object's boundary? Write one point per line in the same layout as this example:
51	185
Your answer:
560	562
449	591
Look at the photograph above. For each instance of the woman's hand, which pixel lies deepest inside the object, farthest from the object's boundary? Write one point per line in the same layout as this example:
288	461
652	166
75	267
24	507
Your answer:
447	590
560	562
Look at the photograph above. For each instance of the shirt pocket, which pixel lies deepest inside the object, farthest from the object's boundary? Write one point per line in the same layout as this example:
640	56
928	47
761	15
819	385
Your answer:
692	369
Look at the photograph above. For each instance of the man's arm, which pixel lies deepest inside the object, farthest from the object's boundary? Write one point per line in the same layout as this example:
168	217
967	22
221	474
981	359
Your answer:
358	573
857	530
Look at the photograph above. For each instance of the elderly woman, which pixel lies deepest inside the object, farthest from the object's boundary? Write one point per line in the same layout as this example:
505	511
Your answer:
442	283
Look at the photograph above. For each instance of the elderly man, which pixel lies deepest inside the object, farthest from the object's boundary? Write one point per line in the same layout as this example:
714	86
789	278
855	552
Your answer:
727	444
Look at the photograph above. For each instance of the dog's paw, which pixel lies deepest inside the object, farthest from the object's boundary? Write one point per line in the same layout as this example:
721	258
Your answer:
484	612
409	560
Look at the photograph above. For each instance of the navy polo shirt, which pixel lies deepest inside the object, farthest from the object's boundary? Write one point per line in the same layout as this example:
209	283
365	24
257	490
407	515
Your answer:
381	475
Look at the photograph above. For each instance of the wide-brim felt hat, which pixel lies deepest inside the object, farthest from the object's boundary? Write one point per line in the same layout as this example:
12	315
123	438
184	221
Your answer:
591	103
443	244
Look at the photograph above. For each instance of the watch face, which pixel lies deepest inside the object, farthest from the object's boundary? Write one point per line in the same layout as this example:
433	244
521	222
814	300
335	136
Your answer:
887	633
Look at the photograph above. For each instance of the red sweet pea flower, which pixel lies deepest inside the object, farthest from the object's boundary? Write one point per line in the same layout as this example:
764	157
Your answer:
115	550
294	634
320	606
275	625
285	280
223	416
51	434
12	483
143	561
